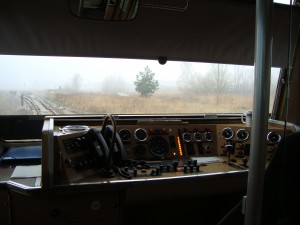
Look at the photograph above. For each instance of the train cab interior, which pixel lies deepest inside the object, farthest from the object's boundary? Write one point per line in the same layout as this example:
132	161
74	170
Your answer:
149	112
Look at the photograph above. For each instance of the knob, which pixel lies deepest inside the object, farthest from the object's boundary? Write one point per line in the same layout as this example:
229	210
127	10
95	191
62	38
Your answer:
161	168
198	168
245	161
135	172
229	149
157	171
191	168
152	172
190	162
195	162
185	168
168	168
175	165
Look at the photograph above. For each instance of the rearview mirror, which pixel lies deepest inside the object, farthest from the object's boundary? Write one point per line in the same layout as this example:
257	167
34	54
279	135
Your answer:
112	10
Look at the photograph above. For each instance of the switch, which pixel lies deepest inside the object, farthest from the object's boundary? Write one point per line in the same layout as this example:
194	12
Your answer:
175	165
195	162
157	171
191	168
198	168
152	172
135	172
185	168
161	168
168	168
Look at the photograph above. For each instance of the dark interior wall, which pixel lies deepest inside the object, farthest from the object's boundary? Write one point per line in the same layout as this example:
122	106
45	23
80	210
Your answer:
289	86
294	93
21	127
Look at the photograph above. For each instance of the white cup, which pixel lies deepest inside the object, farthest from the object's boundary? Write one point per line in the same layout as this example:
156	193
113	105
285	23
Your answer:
248	119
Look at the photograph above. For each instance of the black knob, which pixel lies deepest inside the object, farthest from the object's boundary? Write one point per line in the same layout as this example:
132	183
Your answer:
191	168
168	168
190	162
161	168
152	172
135	172
185	168
229	149
245	161
195	162
198	168
157	171
175	165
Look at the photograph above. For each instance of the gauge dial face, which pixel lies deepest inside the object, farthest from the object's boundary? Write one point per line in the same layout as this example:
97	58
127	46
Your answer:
197	136
242	134
158	146
125	135
208	136
141	134
273	137
187	137
227	133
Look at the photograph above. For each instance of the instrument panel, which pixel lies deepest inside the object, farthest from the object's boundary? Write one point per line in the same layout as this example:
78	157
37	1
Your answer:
168	140
152	148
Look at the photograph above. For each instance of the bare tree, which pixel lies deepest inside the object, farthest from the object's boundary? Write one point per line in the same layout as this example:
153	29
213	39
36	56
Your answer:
242	79
189	81
185	79
217	80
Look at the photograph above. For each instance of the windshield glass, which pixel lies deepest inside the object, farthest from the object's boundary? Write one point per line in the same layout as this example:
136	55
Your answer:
34	85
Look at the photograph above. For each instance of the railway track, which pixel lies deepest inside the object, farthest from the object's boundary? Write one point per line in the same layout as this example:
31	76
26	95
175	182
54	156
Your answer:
40	106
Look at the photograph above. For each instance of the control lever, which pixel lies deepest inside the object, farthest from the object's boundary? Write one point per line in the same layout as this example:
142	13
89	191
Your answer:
245	161
229	150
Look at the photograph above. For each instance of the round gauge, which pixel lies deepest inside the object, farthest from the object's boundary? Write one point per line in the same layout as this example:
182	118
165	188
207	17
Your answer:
187	137
125	135
242	134
197	136
140	134
227	133
208	136
158	146
139	150
273	137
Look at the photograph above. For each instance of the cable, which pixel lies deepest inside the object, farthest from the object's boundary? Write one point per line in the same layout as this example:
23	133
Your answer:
113	139
108	169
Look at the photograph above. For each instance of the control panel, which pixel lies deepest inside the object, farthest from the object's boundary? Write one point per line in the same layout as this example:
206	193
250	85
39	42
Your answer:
79	155
154	148
168	140
235	140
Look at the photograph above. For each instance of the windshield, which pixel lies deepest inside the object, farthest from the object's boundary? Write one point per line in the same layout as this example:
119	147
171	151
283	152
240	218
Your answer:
34	85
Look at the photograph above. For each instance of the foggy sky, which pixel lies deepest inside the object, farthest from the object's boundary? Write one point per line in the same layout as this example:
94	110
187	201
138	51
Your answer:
40	73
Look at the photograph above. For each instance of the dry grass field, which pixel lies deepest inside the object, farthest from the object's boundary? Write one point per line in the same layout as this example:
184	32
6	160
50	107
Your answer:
98	103
160	103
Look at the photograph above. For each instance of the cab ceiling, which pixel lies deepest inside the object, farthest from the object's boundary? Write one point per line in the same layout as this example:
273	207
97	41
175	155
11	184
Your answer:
220	31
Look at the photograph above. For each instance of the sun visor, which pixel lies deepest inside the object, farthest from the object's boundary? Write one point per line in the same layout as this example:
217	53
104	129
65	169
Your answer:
217	31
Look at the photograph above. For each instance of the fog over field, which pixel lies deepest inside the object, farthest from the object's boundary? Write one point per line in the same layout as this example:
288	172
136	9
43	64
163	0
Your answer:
33	85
